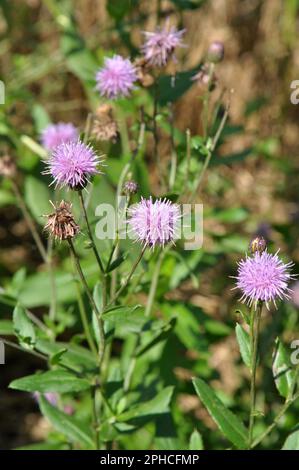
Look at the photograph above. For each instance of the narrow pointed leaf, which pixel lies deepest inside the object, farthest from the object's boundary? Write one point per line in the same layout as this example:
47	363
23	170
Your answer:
233	429
74	430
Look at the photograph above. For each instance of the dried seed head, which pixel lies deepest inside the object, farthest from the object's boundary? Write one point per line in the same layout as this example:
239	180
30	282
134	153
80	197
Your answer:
104	125
258	244
61	223
142	72
8	167
130	187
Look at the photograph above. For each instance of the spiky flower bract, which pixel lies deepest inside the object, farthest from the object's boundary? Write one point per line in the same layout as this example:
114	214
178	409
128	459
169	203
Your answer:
159	45
72	164
263	277
116	79
56	134
154	223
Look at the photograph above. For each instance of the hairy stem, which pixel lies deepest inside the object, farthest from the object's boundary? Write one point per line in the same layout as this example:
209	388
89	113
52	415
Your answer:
254	337
98	314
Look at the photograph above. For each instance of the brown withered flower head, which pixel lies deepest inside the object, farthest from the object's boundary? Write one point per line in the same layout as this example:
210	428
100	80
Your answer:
61	223
142	71
104	125
8	167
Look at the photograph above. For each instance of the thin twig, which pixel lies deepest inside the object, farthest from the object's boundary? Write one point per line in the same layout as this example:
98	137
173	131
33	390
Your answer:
30	223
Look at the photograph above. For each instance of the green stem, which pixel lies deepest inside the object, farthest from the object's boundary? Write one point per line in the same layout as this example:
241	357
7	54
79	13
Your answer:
84	321
289	401
98	314
95	416
254	337
122	288
154	284
53	305
174	155
207	101
96	253
20	348
211	149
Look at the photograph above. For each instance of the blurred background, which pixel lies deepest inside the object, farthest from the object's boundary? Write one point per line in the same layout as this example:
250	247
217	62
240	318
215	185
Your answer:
251	187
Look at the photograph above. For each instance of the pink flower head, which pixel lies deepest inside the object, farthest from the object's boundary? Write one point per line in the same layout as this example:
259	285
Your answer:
72	164
159	46
263	277
56	134
116	79
154	223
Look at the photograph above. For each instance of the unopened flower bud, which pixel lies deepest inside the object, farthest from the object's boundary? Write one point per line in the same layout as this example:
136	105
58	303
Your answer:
215	52
258	244
61	223
8	167
130	187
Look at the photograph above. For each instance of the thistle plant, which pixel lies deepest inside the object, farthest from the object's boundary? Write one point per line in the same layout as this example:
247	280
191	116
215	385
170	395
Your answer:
116	310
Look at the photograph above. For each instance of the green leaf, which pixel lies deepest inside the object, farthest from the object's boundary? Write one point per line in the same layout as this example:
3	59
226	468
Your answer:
56	357
60	381
117	262
76	356
160	336
128	317
244	344
282	369
188	4
158	405
23	327
41	117
171	88
74	430
227	422
37	196
195	441
6	328
292	441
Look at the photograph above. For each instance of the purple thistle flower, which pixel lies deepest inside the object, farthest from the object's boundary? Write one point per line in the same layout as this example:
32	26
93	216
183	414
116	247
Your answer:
56	134
263	277
154	223
116	79
72	164
159	46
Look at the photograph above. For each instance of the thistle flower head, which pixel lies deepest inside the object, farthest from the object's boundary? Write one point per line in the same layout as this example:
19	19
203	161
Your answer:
154	223
61	223
72	164
159	46
130	187
215	52
56	134
263	277
116	79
